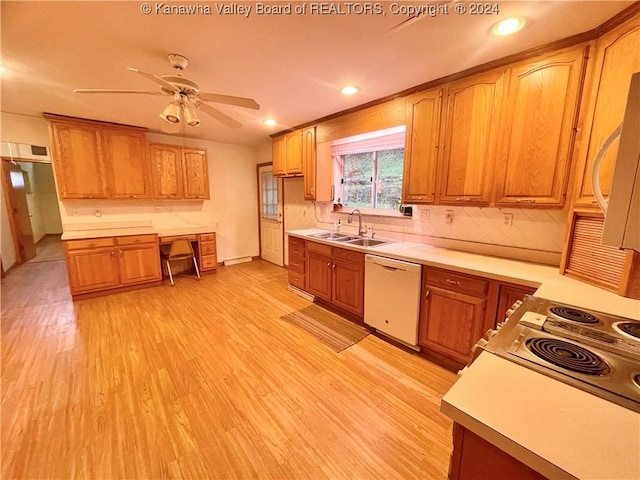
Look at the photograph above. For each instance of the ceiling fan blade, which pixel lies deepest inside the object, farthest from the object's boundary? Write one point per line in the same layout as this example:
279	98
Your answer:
218	115
404	24
230	100
154	78
100	90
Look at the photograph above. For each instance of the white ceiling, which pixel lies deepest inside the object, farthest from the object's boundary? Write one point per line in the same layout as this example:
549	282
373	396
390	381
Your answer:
293	65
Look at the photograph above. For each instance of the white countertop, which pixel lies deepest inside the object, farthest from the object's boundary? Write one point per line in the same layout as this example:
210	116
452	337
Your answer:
143	230
556	429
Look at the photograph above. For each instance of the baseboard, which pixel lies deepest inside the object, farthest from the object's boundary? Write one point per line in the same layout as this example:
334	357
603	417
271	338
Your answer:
235	261
302	293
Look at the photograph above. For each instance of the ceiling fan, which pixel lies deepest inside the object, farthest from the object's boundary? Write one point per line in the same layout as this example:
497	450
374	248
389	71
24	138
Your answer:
187	97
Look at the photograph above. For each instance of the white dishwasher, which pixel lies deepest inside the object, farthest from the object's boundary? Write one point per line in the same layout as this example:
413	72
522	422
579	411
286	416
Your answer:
392	297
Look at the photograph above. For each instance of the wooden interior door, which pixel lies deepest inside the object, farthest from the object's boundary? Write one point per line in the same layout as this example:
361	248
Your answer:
16	197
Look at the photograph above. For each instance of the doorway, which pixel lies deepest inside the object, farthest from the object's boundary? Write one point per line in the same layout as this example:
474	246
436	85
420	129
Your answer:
270	215
34	214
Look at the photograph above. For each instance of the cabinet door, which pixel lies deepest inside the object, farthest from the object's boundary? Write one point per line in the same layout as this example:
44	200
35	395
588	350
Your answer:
94	269
421	147
79	164
195	173
508	295
128	162
139	264
617	57
166	171
294	153
469	146
309	162
279	156
450	322
319	275
348	286
538	131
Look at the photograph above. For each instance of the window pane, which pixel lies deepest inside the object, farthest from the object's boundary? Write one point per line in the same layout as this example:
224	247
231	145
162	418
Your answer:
389	178
357	171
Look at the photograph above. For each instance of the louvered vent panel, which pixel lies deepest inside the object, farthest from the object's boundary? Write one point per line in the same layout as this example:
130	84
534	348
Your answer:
591	261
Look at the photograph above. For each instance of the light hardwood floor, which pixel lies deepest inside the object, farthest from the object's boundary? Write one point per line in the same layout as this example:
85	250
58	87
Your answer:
204	380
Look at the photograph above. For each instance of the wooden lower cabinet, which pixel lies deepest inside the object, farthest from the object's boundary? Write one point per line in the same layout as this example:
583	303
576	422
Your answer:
104	264
508	295
474	458
456	311
336	275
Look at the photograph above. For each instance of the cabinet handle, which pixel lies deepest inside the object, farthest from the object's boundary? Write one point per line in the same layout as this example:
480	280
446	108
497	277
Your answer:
93	244
328	264
415	197
120	253
525	200
426	296
593	202
463	199
333	266
112	253
454	282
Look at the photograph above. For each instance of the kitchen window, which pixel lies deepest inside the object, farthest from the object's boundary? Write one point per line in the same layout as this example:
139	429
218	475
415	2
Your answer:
368	169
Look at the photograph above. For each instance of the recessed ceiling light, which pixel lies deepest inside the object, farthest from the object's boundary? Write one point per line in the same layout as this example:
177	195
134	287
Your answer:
349	90
508	26
269	121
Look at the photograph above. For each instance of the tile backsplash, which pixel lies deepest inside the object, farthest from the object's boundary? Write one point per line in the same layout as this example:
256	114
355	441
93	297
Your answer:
526	234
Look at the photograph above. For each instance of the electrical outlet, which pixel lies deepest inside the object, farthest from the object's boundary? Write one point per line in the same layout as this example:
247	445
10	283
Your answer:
508	219
97	212
424	215
448	216
216	224
157	208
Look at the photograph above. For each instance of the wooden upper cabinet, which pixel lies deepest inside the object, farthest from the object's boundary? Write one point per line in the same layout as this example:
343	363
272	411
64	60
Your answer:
469	146
539	130
195	173
617	56
279	156
126	153
166	171
294	153
309	162
421	146
78	160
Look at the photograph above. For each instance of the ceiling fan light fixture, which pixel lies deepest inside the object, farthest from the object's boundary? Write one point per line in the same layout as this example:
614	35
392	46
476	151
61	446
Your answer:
191	116
171	113
269	121
349	90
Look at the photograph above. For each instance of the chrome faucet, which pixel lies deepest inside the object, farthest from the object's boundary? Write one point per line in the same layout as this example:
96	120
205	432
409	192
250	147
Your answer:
361	232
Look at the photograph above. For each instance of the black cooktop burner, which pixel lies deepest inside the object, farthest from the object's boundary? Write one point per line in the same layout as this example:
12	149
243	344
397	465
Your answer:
568	355
630	328
573	314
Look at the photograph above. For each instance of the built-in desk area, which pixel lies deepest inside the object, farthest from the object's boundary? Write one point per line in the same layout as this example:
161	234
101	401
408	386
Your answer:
117	257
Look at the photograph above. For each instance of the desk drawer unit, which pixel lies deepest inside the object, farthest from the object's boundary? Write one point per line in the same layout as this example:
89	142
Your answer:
208	257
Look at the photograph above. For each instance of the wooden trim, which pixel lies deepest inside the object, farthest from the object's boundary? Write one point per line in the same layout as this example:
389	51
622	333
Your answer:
12	222
111	291
617	20
557	45
27	160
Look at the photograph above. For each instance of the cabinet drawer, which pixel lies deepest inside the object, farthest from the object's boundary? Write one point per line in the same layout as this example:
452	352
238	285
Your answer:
348	256
135	239
296	279
89	243
296	264
206	237
296	246
457	282
208	262
319	248
208	248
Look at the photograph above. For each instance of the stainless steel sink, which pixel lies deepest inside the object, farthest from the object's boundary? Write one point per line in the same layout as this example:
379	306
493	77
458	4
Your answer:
332	236
367	242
